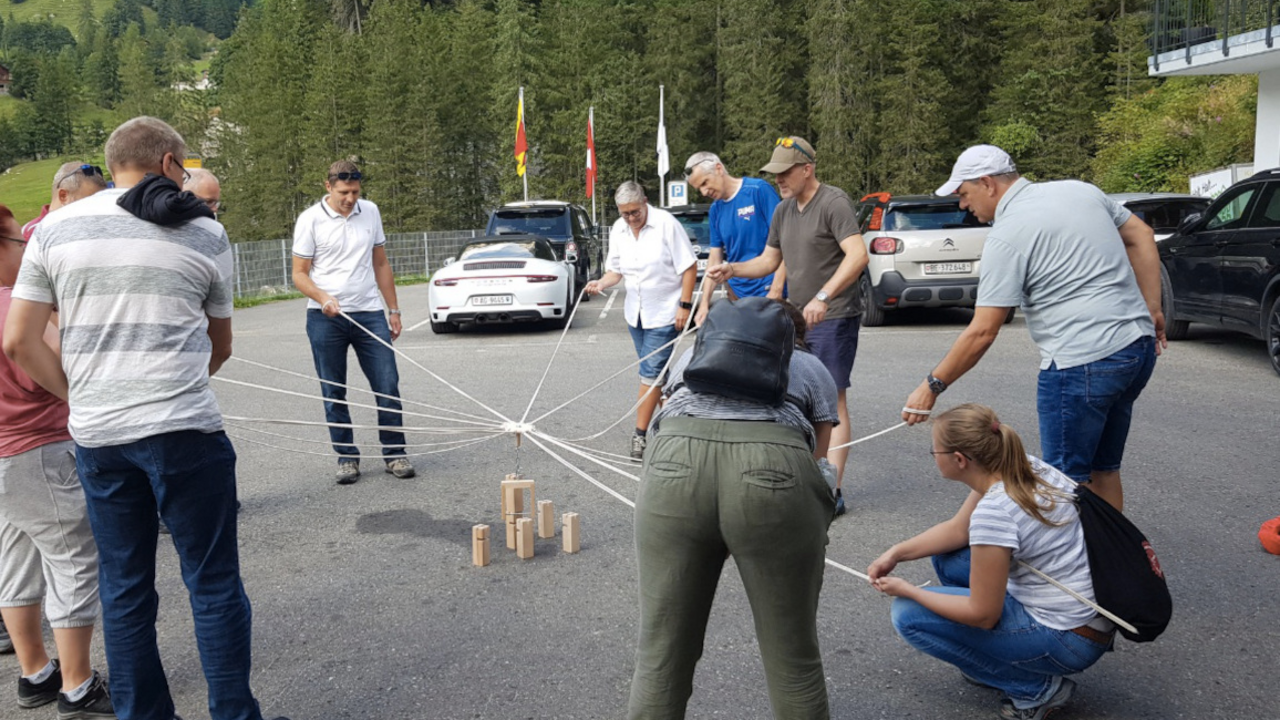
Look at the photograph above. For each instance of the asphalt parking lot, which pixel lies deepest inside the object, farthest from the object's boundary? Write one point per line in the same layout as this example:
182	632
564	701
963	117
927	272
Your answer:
366	604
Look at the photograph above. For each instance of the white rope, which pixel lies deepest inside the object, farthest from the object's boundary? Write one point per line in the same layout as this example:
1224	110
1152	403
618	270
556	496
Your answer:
423	368
312	378
603	454
868	437
583	474
845	568
331	454
1101	610
393	428
579	453
563	333
349	403
330	442
593	388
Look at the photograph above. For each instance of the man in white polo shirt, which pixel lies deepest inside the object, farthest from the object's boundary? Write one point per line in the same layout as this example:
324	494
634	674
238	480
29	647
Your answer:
649	248
340	263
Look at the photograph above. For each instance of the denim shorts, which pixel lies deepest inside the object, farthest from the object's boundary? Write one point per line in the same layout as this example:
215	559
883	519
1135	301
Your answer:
835	343
646	341
1085	411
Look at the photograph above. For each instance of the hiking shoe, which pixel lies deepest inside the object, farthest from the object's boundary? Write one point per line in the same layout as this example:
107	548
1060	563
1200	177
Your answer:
840	508
1039	712
976	682
6	643
94	705
401	468
638	444
34	695
348	471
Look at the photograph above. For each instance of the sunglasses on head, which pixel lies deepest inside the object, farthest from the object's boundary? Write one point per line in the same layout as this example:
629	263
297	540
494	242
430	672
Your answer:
86	170
791	144
688	171
345	176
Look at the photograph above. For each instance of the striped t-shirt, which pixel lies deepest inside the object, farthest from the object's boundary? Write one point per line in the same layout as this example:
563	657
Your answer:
1058	551
132	298
811	398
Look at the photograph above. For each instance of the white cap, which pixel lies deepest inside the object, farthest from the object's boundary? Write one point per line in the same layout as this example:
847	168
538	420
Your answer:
976	162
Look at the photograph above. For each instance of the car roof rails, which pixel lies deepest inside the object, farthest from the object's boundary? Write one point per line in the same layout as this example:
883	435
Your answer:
1273	172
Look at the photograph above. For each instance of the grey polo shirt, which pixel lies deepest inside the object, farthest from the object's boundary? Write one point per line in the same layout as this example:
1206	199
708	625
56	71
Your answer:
1054	250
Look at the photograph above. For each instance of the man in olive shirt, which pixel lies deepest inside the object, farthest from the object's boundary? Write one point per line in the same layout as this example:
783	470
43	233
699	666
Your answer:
815	231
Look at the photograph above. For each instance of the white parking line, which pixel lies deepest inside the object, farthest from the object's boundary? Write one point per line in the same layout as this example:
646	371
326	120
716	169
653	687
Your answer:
608	304
411	328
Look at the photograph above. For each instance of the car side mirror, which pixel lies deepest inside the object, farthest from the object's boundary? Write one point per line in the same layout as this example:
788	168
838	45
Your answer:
571	257
1188	223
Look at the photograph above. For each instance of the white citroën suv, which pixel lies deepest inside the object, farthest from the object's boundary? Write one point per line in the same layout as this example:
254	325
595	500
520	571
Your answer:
924	250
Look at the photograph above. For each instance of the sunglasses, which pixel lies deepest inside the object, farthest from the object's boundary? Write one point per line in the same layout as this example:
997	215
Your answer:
791	144
689	169
345	176
86	170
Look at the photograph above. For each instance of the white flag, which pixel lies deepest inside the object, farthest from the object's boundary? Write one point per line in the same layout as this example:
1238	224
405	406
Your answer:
664	157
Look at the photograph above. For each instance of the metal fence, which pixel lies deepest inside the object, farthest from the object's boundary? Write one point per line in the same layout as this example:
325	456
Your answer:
1182	24
265	267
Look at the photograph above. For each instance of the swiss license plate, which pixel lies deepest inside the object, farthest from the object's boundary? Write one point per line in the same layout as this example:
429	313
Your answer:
702	266
950	268
491	300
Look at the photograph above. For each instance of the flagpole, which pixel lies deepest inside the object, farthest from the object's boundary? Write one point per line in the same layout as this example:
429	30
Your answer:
591	121
663	200
525	176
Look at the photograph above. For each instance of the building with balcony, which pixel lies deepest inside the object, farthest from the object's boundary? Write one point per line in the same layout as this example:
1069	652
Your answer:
1225	37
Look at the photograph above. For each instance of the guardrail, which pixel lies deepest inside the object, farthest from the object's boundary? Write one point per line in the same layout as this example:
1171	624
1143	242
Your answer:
1184	24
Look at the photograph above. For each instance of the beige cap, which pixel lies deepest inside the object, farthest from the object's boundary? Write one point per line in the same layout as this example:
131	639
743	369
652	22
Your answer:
789	152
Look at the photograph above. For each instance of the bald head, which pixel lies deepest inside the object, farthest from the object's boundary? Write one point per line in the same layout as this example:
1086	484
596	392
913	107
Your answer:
204	185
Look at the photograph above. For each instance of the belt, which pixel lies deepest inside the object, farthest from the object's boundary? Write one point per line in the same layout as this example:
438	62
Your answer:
1097	636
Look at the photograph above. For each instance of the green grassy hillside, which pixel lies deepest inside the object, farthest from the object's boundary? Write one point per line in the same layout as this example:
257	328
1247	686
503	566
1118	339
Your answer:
25	188
62	12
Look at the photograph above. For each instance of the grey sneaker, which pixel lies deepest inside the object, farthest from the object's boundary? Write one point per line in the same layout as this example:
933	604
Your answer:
638	444
348	471
95	705
1039	712
401	468
6	643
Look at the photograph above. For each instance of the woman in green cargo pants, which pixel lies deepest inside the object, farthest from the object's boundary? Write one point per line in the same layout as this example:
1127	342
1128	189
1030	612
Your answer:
731	477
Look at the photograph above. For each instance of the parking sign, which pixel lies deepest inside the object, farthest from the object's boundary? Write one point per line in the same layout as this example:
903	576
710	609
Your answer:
677	193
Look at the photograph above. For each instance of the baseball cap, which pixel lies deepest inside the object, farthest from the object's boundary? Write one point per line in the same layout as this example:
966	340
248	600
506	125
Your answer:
788	152
976	162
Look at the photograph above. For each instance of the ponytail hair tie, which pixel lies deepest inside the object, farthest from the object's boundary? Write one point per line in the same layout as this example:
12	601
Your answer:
995	426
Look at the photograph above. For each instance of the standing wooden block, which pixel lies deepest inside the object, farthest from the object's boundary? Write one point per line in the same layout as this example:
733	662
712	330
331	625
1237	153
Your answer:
570	530
513	504
480	545
524	538
546	519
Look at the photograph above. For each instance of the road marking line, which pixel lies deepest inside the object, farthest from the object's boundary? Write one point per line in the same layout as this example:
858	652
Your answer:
609	304
415	327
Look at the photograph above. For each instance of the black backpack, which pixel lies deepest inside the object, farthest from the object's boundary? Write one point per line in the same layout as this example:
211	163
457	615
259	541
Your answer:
1127	579
743	351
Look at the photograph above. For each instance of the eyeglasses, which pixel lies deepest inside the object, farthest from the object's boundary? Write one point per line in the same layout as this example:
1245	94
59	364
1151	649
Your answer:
86	170
631	213
212	203
20	241
186	176
345	176
948	452
791	144
688	171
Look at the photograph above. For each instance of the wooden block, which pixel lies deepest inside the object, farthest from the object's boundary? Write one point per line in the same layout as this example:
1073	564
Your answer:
570	529
546	519
513	505
480	545
524	538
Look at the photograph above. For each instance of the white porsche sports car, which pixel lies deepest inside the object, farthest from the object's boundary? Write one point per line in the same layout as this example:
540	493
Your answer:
503	279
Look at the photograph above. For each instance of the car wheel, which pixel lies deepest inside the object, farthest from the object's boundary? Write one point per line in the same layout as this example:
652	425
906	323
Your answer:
1273	334
443	328
872	314
1173	329
1009	318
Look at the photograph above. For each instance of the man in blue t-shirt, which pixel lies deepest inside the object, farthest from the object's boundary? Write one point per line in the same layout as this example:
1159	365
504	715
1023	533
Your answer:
740	216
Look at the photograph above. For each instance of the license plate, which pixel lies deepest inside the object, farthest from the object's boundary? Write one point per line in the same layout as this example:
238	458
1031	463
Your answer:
951	268
702	266
492	300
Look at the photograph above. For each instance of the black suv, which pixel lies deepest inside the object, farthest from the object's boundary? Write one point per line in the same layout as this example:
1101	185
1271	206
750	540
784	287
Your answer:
1223	266
697	224
567	226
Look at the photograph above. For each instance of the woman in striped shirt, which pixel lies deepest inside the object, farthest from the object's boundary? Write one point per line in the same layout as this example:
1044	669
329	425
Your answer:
1004	626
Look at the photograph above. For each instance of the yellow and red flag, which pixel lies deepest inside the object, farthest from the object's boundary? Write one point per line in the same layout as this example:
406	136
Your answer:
522	145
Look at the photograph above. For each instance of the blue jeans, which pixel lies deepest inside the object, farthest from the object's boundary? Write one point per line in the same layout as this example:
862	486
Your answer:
190	478
1085	411
330	338
1019	656
646	341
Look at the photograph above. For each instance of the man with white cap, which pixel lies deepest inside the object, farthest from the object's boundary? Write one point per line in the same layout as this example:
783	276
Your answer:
815	230
1087	275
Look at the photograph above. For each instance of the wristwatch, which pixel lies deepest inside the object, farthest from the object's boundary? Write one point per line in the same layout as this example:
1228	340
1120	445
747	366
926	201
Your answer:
936	385
822	297
686	305
394	311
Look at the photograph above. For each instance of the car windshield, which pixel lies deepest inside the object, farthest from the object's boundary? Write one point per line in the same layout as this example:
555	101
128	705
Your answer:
1165	216
507	249
929	217
698	226
547	222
